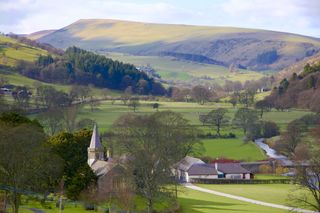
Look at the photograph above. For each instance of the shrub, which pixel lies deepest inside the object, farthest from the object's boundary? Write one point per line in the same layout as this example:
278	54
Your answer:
269	129
281	170
265	169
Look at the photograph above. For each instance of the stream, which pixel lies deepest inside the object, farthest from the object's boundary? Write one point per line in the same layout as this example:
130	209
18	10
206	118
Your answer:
271	153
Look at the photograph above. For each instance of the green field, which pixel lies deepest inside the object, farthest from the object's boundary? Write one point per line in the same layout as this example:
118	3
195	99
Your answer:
11	51
235	148
200	202
20	80
192	201
68	208
106	114
180	70
271	193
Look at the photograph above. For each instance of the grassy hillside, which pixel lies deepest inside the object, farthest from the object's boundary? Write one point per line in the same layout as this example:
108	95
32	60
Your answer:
297	67
39	34
172	69
248	47
11	51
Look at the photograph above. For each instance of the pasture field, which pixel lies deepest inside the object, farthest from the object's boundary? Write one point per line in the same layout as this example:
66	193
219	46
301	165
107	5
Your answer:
20	80
11	51
232	148
180	70
199	202
107	113
272	193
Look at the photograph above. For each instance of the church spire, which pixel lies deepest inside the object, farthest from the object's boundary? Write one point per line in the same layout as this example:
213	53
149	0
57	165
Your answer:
95	142
95	150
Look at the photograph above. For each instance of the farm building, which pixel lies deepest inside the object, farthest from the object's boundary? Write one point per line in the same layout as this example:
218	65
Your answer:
183	166
191	169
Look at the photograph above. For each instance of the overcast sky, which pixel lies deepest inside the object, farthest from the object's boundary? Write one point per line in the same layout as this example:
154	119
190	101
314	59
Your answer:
296	16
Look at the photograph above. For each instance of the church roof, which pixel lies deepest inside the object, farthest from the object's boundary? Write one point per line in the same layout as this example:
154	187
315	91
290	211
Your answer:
95	142
101	168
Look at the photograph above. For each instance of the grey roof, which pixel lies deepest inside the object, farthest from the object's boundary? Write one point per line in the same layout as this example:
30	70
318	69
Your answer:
95	139
210	169
101	168
231	168
187	162
203	169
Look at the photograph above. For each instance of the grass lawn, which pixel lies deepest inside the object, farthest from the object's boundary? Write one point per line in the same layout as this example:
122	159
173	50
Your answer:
234	148
68	208
272	193
200	202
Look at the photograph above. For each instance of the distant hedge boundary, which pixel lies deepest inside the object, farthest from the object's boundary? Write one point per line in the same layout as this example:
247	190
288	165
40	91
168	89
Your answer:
242	181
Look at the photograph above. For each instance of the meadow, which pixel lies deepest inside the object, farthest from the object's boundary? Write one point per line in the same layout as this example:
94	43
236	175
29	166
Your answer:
107	113
11	51
181	70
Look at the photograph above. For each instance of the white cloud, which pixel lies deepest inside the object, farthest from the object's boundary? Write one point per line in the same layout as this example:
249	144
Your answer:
44	14
281	15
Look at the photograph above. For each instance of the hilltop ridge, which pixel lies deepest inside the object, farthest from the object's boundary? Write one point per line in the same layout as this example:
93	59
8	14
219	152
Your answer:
250	48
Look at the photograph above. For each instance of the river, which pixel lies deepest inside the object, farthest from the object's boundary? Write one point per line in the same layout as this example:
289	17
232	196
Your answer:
269	151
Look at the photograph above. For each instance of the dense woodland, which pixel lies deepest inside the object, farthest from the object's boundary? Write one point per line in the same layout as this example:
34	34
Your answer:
77	66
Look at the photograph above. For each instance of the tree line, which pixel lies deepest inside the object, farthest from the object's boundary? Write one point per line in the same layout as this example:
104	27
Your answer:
245	118
77	66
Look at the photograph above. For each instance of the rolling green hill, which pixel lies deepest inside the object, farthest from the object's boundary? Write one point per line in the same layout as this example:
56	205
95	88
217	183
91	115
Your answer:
250	48
11	51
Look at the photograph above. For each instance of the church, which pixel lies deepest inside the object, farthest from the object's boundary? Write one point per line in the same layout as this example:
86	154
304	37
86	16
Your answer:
98	162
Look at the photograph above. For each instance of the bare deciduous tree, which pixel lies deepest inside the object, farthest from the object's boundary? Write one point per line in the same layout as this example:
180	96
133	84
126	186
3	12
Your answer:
154	143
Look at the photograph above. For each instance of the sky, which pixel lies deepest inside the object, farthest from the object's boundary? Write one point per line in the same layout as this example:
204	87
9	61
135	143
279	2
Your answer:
295	16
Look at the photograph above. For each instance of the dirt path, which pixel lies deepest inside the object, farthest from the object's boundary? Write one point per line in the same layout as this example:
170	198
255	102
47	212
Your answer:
248	200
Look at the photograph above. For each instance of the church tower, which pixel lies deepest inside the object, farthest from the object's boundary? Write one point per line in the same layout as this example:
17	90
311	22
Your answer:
95	151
